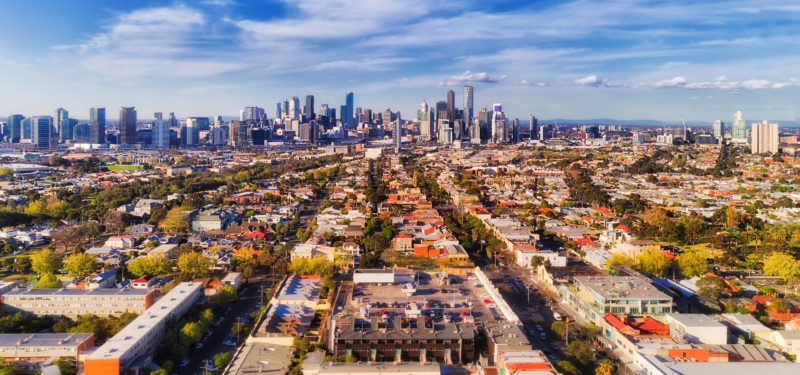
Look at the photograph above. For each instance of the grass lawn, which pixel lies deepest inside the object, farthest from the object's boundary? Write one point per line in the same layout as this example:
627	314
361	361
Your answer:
123	167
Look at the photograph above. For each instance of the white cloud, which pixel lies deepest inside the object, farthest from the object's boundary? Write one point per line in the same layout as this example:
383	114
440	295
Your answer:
591	80
525	82
470	77
720	83
368	64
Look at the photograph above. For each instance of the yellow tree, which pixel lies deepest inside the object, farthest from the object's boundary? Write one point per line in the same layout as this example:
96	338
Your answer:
175	221
605	367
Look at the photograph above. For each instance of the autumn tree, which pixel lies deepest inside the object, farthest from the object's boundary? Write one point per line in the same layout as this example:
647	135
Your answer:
711	287
79	264
48	280
692	263
653	262
605	367
175	221
782	265
154	264
194	265
45	261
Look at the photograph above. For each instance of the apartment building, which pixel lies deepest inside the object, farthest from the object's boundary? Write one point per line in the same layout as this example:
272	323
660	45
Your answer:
36	347
592	297
132	347
74	302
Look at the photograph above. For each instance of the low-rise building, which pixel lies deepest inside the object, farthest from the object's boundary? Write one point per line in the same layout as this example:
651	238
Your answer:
36	347
74	302
592	297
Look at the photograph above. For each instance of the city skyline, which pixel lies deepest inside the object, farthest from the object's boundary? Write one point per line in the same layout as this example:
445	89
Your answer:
619	59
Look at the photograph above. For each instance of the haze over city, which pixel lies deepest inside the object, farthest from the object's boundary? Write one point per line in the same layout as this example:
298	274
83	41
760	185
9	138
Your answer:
568	59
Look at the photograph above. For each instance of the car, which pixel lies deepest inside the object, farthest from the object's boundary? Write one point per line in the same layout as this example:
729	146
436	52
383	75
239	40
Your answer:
542	335
184	362
211	367
199	345
539	328
229	343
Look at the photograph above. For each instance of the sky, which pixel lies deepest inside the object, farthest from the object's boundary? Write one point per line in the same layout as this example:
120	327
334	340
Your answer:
621	59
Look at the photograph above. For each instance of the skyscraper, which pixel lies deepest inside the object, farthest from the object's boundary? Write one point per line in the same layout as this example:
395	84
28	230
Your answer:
499	131
739	128
237	134
348	98
765	138
15	127
397	133
160	133
719	131
468	108
158	115
62	124
252	114
533	126
97	124
190	132
308	109
451	106
294	108
41	131
278	110
425	118
127	126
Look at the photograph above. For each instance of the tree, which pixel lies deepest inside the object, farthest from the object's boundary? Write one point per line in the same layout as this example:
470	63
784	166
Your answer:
5	171
567	368
21	265
154	264
581	350
711	287
160	371
114	222
79	265
192	332
175	221
605	367
225	294
655	217
194	265
731	217
692	263
778	306
559	327
318	265
221	359
48	280
782	265
653	262
620	259
45	261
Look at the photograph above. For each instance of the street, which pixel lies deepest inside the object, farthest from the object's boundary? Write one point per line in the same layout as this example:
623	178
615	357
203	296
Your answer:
212	343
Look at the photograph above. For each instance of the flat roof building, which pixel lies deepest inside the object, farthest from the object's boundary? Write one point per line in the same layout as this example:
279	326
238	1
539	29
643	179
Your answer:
74	302
34	347
133	346
592	297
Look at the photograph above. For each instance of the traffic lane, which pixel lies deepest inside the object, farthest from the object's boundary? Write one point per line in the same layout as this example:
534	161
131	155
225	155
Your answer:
245	305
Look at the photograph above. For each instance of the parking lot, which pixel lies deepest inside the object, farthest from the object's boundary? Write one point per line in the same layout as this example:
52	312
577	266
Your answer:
460	298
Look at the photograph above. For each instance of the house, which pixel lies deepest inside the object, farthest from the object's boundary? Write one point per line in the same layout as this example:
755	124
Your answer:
102	280
403	242
309	250
144	282
788	341
212	219
119	242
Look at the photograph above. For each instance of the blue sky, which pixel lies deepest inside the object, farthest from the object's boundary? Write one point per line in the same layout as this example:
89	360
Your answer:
623	59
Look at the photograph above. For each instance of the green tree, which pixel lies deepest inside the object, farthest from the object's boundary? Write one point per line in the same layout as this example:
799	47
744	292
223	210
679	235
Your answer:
559	327
160	371
154	264
45	261
175	221
194	264
48	280
5	171
581	350
79	264
692	263
318	265
653	262
192	332
567	368
221	359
